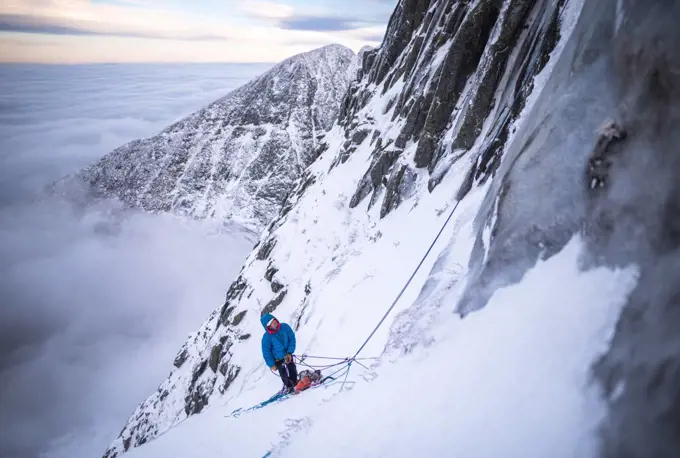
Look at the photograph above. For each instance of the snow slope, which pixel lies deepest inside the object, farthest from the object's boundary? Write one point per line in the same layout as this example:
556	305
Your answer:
238	157
486	386
509	114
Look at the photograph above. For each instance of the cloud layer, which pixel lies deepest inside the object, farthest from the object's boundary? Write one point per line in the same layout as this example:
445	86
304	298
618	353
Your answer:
320	23
95	306
55	120
96	301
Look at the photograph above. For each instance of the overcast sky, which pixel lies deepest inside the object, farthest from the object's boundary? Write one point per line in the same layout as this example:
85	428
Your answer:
81	31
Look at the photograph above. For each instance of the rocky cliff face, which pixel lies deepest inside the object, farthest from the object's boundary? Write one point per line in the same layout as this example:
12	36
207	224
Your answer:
632	212
460	72
559	112
448	76
239	157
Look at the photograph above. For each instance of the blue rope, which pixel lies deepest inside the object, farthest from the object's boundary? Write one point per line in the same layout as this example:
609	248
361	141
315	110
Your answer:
336	372
349	366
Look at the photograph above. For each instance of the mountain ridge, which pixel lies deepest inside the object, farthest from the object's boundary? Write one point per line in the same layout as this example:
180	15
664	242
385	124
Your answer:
534	116
238	157
397	97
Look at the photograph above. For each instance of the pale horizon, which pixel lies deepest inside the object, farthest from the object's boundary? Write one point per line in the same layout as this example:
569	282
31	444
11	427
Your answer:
175	31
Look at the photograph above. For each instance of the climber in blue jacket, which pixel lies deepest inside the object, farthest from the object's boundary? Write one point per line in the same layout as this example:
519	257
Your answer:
278	346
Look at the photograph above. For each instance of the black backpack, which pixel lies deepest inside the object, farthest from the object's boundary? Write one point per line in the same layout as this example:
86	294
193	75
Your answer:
314	376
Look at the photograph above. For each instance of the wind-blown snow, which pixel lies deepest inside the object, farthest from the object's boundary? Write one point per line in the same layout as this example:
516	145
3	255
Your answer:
489	350
496	374
500	373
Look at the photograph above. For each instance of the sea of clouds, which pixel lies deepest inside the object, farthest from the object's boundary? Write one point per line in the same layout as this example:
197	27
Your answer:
55	120
95	301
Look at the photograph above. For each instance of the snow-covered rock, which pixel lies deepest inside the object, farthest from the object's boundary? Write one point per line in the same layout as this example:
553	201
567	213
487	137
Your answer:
240	156
523	123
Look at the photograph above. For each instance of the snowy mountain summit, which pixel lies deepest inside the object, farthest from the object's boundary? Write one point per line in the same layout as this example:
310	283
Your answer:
502	177
237	158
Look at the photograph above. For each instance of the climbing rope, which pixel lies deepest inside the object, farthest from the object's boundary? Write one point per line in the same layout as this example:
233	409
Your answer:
341	364
446	222
396	300
321	367
334	375
408	282
347	362
305	356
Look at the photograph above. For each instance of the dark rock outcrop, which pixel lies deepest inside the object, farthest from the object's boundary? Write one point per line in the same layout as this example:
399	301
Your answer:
492	64
276	286
399	186
195	402
198	371
181	357
215	357
234	294
379	169
270	272
226	312
444	107
266	249
600	161
274	303
239	317
461	61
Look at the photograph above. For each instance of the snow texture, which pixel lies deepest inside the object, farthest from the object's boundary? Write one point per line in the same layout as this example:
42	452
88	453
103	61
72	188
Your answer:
238	157
485	387
478	104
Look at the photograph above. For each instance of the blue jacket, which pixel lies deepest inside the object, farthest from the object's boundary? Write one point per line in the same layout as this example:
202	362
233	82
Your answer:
276	346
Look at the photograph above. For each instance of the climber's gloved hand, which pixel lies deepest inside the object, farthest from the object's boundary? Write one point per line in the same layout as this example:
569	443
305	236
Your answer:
275	368
288	358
